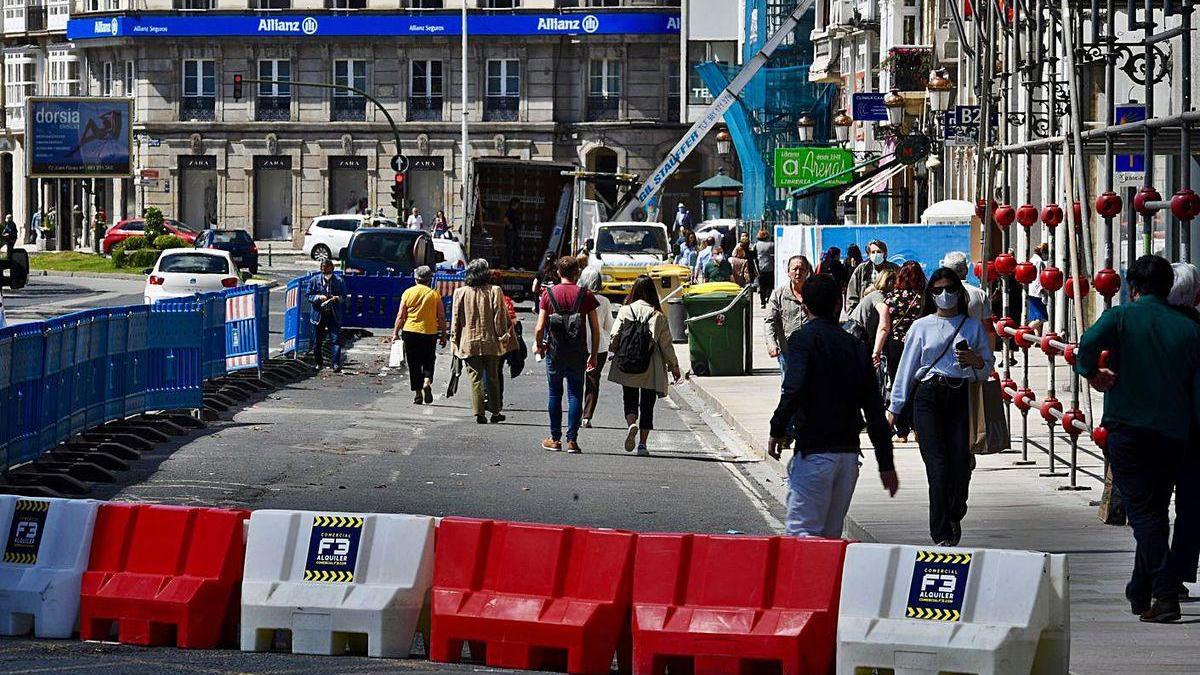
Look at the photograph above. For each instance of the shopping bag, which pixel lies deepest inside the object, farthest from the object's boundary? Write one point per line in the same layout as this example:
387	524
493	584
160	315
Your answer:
988	429
396	357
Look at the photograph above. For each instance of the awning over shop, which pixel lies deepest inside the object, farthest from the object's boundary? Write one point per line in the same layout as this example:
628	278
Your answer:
872	184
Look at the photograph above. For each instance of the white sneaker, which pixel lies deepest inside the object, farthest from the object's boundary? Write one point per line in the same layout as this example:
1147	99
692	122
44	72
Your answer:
631	437
642	451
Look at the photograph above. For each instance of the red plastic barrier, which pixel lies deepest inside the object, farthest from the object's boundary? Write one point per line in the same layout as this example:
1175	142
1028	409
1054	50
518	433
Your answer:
532	597
164	575
724	604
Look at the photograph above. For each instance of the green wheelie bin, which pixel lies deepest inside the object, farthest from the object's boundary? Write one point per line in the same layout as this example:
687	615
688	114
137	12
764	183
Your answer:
717	344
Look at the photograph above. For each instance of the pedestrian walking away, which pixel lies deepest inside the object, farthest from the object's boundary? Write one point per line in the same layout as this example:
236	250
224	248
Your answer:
421	323
703	257
764	252
590	280
642	356
328	298
481	333
1150	396
897	310
1185	297
863	322
944	352
741	270
829	393
864	275
785	309
567	335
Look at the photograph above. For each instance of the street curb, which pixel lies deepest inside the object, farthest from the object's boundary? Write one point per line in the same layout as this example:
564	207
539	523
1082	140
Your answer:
853	530
98	275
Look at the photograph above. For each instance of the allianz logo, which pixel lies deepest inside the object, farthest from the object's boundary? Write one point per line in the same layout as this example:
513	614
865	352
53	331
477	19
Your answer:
588	24
105	26
308	26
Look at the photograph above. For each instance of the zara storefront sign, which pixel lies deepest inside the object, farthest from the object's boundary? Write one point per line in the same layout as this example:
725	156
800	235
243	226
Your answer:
251	25
801	167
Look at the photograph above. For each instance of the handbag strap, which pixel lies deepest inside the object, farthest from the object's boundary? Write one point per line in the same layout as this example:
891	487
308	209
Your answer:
921	375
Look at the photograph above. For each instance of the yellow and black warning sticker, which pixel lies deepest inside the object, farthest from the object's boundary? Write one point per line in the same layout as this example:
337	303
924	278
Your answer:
25	534
939	585
333	548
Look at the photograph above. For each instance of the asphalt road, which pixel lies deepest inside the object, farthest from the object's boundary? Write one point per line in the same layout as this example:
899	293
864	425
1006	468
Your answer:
354	442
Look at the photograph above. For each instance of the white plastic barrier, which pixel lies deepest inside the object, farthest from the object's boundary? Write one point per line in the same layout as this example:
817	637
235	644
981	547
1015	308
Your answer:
929	610
46	548
335	579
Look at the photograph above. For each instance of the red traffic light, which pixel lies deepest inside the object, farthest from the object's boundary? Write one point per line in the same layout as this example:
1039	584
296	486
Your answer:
237	87
399	179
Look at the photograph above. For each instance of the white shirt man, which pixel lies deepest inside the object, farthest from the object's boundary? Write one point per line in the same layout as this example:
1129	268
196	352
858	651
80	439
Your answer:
415	221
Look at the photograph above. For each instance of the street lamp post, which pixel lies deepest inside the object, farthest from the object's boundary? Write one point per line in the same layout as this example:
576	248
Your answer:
724	144
894	103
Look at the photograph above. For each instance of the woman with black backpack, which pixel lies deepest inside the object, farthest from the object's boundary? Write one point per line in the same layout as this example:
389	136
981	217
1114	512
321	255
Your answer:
642	354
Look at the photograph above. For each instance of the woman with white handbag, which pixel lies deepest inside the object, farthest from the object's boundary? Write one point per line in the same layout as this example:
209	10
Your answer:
422	324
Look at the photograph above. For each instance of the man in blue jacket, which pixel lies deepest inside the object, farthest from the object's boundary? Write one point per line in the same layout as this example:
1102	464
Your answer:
828	387
327	296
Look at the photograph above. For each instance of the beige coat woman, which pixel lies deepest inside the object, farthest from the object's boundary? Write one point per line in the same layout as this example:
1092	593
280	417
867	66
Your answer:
661	361
481	326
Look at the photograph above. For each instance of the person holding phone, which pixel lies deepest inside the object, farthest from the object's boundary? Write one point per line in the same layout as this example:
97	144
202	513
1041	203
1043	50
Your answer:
944	352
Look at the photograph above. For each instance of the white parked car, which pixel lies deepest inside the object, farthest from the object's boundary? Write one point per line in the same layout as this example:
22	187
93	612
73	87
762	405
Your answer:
326	236
454	259
182	272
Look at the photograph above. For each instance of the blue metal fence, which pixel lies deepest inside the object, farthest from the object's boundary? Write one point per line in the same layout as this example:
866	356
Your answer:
371	302
67	374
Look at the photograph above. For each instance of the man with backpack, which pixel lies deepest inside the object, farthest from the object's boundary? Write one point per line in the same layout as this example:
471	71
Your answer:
566	318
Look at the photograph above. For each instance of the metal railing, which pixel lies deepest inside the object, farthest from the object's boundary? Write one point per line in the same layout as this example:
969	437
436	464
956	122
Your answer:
501	108
425	109
198	108
349	109
273	108
603	108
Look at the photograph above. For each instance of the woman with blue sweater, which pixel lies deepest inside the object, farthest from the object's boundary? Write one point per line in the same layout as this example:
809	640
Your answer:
944	352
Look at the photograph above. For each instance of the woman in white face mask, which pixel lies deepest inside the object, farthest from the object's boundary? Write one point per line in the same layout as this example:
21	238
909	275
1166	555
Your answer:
943	352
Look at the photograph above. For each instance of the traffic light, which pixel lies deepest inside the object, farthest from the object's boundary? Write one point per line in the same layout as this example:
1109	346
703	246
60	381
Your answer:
398	194
237	87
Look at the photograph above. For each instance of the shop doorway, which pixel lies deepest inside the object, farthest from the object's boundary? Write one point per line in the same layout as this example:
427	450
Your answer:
273	197
348	185
426	186
603	160
198	191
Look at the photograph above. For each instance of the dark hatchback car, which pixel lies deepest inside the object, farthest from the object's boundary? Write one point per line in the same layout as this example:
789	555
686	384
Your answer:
239	243
387	251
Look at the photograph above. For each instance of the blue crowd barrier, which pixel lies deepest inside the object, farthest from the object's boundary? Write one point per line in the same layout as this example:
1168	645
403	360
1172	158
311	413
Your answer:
371	302
64	375
242	339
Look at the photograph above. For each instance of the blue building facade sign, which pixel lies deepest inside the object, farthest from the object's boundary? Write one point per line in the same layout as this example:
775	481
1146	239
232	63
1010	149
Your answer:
869	107
371	25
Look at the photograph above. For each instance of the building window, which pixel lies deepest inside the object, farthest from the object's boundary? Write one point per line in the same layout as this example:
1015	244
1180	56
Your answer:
425	91
64	73
499	4
14	14
910	30
106	79
274	100
199	90
347	105
20	71
604	90
195	5
345	4
503	98
703	52
271	4
103	5
426	4
568	4
128	90
35	17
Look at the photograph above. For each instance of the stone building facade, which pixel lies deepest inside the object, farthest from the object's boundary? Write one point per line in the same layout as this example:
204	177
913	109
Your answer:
596	87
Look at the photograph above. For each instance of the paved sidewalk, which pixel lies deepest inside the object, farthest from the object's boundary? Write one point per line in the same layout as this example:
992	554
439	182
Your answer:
1012	506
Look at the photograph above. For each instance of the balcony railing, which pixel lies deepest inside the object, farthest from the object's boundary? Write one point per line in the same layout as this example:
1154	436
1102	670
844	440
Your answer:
603	108
501	108
199	108
425	109
273	108
349	109
909	67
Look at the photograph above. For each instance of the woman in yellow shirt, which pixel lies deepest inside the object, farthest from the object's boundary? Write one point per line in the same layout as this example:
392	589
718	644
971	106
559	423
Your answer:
422	323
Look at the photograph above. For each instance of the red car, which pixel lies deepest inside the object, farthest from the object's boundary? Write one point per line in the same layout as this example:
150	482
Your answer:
136	227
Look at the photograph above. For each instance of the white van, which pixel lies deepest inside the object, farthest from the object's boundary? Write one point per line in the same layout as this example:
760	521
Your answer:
328	235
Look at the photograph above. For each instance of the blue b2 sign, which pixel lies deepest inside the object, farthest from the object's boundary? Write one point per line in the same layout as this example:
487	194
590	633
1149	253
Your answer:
76	137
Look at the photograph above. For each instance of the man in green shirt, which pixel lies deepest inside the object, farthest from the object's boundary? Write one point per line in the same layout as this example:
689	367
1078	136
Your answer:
1149	410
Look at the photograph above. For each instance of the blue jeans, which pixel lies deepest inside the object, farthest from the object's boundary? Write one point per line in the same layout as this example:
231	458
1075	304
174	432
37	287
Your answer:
555	374
819	490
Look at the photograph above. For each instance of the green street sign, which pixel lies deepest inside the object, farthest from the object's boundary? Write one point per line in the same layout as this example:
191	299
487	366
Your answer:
801	167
